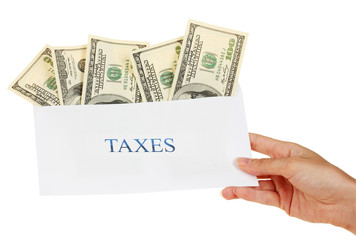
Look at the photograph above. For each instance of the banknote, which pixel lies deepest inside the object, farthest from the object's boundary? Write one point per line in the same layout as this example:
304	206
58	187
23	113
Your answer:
154	69
209	62
69	63
108	75
37	82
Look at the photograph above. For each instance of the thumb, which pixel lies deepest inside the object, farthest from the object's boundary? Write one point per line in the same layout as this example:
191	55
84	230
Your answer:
265	166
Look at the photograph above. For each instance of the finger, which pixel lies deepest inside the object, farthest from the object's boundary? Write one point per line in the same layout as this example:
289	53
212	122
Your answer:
284	189
256	195
266	166
228	194
265	177
269	146
266	185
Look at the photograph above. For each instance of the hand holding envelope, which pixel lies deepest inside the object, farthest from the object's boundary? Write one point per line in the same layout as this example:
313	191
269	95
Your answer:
300	182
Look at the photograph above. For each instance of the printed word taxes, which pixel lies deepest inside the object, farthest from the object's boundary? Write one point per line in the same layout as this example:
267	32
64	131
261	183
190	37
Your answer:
140	145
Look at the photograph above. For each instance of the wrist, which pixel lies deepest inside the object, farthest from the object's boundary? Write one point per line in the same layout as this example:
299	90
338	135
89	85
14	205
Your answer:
349	217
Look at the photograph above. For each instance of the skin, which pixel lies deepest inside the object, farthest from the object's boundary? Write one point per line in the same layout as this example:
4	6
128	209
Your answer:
298	181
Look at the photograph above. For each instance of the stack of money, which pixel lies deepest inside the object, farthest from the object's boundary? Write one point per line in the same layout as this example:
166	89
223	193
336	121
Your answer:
204	63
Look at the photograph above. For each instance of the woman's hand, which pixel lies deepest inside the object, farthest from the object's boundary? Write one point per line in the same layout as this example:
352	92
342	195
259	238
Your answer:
300	182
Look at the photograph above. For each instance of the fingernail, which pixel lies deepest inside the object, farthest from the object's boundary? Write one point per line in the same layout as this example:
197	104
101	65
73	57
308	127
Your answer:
243	161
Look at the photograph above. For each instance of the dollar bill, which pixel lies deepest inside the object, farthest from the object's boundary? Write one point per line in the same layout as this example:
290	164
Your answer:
209	62
154	69
69	64
108	76
37	82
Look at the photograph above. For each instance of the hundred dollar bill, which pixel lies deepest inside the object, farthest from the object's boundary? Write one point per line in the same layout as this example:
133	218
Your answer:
108	76
209	62
69	63
37	82
154	69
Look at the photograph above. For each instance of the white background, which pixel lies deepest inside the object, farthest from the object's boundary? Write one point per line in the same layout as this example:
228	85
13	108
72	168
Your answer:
298	78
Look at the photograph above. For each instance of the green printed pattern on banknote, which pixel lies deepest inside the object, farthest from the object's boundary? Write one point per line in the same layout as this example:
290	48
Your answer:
69	64
154	68
108	76
209	63
37	82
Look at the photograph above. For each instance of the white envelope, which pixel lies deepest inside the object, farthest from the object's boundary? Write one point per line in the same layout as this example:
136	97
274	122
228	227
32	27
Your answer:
101	149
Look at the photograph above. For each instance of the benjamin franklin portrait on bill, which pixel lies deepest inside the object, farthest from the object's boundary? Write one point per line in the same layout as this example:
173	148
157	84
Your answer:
195	90
109	99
